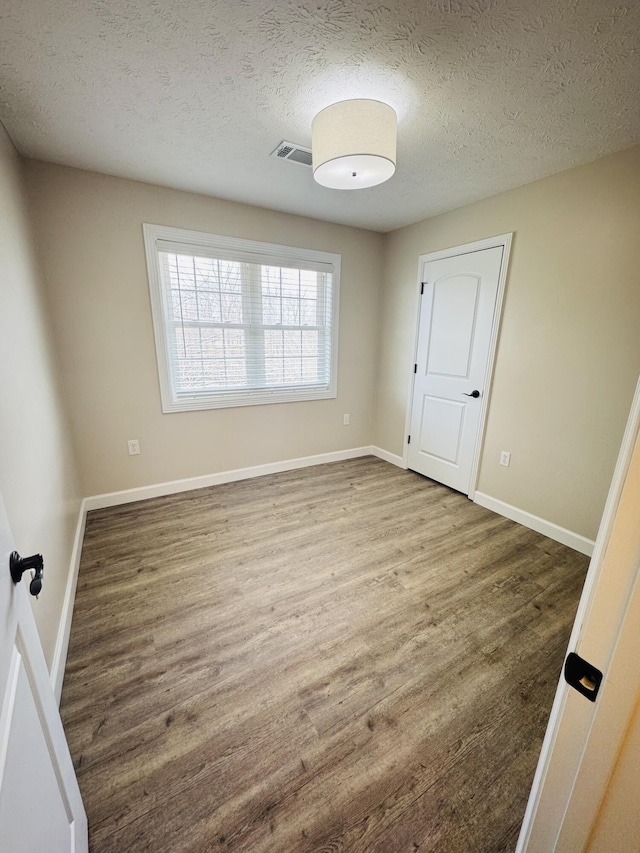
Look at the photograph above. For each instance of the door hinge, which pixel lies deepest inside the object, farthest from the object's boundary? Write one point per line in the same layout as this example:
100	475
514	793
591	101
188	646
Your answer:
422	288
415	368
409	439
582	676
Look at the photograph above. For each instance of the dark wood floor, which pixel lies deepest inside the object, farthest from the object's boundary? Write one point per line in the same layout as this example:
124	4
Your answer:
342	658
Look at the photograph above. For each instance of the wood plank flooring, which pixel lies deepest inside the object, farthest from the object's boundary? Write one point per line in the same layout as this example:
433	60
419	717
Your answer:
349	657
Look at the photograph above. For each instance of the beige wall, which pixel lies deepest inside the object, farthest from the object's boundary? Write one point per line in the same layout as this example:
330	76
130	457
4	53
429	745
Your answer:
568	355
37	470
89	230
569	349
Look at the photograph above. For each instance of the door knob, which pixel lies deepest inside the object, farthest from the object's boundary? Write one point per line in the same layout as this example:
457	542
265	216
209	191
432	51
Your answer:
475	393
18	565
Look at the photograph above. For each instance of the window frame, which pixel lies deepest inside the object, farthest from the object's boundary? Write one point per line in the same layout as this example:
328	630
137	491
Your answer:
231	248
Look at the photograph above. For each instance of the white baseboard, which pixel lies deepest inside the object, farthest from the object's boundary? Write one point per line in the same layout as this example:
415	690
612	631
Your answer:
534	522
174	486
64	628
388	457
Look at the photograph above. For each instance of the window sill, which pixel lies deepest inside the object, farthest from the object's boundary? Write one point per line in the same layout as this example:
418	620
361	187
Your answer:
247	398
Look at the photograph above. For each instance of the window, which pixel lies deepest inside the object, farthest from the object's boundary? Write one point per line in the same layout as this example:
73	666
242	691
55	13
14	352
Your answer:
238	322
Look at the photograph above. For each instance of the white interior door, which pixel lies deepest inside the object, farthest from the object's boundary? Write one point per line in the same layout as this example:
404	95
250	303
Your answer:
456	320
40	804
588	745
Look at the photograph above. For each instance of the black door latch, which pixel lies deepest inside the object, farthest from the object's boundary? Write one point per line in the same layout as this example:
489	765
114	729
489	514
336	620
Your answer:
583	676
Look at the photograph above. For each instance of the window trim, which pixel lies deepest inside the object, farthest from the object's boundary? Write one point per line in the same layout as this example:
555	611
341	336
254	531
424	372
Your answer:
255	252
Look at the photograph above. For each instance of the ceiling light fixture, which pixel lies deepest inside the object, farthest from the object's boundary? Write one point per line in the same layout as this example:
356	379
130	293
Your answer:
354	144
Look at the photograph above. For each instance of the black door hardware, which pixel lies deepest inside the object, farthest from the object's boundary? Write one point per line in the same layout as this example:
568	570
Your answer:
18	565
475	393
582	675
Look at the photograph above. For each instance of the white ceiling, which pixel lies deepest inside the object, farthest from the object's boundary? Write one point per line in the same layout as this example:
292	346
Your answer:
195	94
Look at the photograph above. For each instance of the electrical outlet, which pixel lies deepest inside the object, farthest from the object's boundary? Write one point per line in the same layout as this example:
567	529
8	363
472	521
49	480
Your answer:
346	419
505	458
134	446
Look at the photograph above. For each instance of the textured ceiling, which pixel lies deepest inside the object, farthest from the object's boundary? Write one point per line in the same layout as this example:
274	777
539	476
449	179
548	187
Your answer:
195	94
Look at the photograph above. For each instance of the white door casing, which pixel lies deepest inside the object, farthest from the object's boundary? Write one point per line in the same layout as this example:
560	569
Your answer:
40	804
583	738
458	319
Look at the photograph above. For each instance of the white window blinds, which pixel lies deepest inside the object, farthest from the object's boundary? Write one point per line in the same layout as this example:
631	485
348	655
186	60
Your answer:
241	322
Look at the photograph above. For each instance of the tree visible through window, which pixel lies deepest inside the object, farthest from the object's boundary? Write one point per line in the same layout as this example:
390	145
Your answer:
258	327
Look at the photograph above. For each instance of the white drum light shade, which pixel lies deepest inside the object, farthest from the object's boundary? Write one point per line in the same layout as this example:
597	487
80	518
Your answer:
354	144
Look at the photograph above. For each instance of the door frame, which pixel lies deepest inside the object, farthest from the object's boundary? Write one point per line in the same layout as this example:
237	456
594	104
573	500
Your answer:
504	241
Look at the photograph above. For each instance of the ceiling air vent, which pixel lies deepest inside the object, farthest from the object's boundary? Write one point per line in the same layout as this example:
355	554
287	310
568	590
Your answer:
292	152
